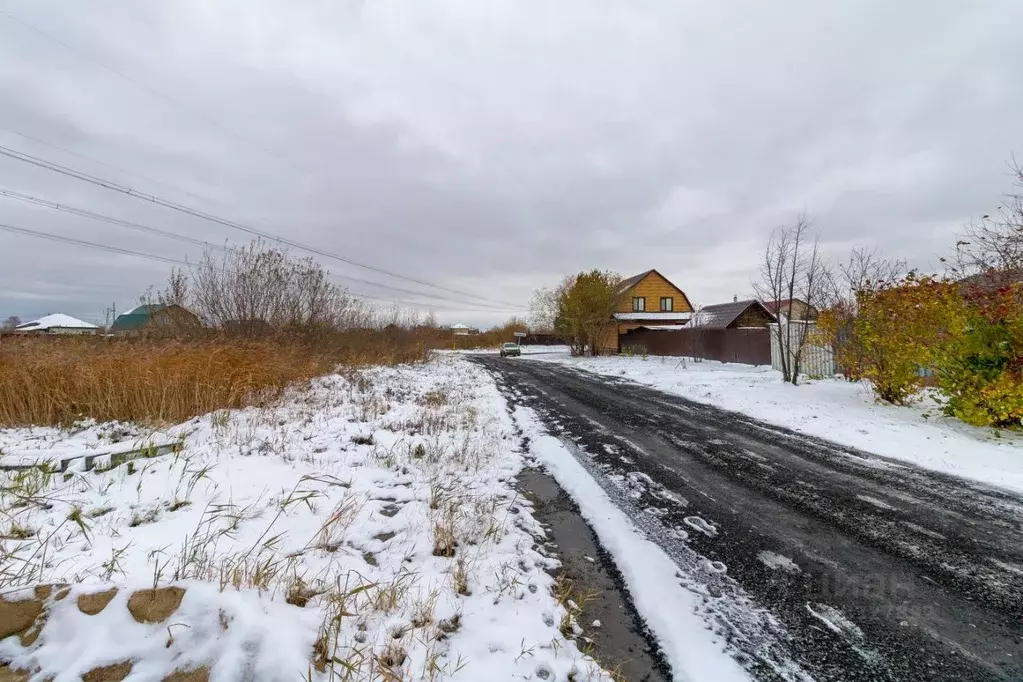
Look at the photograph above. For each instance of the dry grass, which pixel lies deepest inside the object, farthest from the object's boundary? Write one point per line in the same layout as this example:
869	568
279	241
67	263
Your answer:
393	599
56	381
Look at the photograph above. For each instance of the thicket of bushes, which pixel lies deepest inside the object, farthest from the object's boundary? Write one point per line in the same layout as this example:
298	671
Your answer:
964	336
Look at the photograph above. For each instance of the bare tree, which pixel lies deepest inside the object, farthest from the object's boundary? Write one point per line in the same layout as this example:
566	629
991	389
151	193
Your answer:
545	305
991	248
398	315
176	291
865	271
793	269
11	322
260	288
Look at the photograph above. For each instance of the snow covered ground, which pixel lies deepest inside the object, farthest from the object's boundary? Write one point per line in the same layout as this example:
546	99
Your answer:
649	574
49	444
368	524
840	411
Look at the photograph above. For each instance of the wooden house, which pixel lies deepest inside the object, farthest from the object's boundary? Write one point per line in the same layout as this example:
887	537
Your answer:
749	314
792	309
57	323
644	300
152	318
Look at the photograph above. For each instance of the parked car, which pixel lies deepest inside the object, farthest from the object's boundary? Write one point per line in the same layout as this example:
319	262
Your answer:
510	350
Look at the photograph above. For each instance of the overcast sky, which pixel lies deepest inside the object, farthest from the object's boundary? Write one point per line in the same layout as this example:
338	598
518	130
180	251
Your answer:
492	147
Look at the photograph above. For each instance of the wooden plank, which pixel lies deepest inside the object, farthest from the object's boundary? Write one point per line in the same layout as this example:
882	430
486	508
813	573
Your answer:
117	457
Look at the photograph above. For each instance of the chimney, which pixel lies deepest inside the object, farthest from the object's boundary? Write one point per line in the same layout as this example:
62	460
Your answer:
735	298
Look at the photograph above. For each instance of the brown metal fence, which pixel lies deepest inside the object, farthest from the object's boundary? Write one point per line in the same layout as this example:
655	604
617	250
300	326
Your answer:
747	346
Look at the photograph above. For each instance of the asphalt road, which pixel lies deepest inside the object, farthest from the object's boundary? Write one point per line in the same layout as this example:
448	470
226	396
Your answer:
811	560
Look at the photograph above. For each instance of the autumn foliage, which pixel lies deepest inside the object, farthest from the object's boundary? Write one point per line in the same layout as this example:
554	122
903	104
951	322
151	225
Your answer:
967	336
582	309
889	341
980	361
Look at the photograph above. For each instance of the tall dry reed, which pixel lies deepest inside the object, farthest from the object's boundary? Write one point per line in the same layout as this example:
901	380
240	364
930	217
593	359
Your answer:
53	381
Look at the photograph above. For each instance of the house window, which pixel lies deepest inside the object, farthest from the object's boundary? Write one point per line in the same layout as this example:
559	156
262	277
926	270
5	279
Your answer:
638	304
666	304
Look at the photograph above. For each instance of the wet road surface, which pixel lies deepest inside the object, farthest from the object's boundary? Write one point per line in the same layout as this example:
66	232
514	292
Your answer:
811	560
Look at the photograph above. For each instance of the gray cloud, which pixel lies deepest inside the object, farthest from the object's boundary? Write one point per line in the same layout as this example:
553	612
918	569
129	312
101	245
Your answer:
492	147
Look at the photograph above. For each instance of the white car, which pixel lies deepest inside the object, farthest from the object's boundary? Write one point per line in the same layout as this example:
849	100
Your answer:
510	350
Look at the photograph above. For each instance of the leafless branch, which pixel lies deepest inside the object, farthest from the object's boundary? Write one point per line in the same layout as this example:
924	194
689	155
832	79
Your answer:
795	275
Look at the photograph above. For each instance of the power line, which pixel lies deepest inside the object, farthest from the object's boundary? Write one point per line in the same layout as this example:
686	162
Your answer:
174	261
91	245
197	242
104	218
152	198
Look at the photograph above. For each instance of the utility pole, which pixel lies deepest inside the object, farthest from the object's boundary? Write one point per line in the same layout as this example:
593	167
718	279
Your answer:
110	314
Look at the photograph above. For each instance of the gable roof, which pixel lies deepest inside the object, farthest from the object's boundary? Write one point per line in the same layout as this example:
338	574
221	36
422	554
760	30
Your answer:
57	320
136	318
139	316
145	309
630	282
720	315
775	306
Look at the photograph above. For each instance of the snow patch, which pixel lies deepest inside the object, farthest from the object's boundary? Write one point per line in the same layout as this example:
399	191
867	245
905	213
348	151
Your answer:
1012	568
649	573
778	562
848	631
880	504
702	526
229	631
835	621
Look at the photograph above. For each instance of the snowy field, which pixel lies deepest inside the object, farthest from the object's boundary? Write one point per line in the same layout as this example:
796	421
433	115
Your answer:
365	528
840	411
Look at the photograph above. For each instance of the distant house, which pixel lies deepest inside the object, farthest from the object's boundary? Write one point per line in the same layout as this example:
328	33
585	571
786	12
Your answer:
463	330
792	309
155	317
57	323
644	300
746	314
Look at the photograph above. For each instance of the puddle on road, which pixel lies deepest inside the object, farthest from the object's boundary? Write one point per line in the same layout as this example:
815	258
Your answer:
621	639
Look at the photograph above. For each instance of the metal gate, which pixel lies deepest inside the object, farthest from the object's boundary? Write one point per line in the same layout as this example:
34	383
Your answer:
814	361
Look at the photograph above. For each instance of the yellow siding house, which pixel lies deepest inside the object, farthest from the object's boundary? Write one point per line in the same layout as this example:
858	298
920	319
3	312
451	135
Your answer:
648	299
